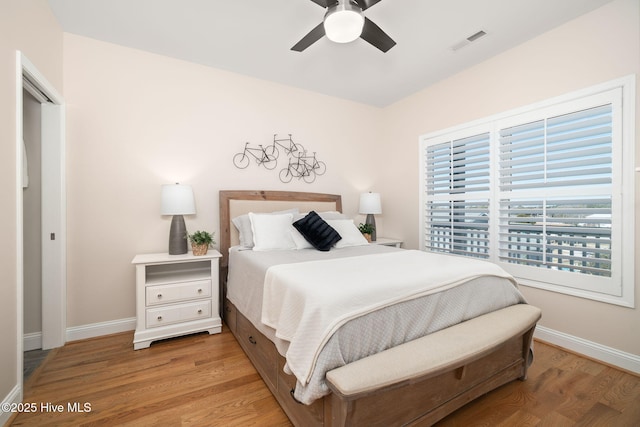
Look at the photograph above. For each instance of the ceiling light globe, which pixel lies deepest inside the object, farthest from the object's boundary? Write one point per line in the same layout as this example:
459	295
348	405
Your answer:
343	24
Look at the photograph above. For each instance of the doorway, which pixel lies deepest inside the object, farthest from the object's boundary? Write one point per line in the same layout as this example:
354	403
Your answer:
51	242
31	222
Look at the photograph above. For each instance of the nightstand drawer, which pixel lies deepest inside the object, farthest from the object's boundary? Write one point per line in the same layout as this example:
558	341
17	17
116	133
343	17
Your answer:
177	292
178	313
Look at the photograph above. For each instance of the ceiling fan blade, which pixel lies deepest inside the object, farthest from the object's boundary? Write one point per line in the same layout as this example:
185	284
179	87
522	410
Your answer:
313	36
325	3
374	35
365	4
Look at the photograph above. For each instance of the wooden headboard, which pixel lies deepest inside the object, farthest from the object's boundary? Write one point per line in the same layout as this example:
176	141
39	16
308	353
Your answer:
235	203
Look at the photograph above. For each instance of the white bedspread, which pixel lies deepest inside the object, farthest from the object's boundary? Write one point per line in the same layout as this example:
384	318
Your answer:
307	302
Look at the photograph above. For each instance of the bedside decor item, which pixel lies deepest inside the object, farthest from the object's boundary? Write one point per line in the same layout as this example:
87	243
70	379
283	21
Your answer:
370	205
201	241
177	200
366	230
317	231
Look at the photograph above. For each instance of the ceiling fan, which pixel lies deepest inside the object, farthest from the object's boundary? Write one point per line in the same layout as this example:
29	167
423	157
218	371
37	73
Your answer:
344	22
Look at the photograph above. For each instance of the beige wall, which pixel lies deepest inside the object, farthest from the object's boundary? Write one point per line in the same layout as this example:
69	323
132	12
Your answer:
597	47
138	120
28	26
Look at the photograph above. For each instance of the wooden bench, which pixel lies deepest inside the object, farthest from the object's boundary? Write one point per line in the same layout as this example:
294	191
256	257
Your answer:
416	383
445	370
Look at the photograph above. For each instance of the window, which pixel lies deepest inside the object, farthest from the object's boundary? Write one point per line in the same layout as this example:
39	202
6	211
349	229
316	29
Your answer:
458	185
545	191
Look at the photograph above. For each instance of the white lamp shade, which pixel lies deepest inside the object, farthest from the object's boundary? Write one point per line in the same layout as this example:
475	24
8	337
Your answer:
177	199
343	23
370	203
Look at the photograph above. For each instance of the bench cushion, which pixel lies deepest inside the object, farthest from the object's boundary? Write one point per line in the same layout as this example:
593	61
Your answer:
445	348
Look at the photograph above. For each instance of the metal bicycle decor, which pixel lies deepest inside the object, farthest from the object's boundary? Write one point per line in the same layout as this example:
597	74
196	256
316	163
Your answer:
300	165
242	160
303	167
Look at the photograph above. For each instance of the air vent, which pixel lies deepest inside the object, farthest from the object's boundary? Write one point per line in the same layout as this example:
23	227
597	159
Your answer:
468	40
476	36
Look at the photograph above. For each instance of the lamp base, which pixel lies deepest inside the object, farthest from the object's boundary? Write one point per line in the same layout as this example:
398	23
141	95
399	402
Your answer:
178	236
371	220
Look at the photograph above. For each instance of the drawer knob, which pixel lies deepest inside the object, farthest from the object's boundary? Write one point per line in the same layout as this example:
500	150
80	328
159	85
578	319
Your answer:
159	296
200	290
252	340
199	311
159	317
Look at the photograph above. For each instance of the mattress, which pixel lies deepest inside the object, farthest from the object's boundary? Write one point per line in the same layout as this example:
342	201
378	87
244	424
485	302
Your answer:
370	333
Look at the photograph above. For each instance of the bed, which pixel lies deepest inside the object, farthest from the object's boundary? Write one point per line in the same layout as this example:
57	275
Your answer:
365	359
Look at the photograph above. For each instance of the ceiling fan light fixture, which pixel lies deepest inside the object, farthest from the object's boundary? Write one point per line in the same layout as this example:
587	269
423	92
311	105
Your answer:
343	22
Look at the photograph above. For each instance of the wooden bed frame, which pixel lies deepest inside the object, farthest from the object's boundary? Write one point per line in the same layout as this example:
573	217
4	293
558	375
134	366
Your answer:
426	391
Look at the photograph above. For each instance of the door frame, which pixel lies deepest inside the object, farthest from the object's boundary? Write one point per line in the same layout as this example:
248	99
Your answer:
54	256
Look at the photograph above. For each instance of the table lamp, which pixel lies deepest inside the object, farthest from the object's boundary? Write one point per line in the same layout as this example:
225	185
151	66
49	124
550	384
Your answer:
370	205
177	200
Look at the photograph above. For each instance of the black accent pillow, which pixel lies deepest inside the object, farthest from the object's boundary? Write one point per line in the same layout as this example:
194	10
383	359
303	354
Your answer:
317	232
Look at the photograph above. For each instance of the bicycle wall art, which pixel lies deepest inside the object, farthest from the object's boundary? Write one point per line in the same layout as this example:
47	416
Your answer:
300	164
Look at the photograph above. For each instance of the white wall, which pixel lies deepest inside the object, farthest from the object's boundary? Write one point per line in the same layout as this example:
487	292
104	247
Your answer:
137	120
597	47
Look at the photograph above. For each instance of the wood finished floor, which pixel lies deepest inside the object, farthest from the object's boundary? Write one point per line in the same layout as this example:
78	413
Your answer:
205	380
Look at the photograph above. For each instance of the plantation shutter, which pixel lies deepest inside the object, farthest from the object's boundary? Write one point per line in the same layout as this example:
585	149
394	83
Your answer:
545	191
569	150
457	183
555	186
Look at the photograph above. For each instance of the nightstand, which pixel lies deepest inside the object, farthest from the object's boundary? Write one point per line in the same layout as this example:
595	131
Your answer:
175	295
387	241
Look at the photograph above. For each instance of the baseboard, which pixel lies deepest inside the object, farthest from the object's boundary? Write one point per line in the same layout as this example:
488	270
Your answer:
14	397
611	356
92	330
32	341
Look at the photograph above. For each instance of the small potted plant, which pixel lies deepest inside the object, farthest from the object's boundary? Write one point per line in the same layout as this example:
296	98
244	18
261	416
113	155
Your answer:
200	242
366	230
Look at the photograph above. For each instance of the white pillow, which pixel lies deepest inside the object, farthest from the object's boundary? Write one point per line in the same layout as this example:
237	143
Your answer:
271	231
243	224
299	240
350	234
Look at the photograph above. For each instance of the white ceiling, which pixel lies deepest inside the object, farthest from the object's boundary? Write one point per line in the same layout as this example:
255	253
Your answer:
254	37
